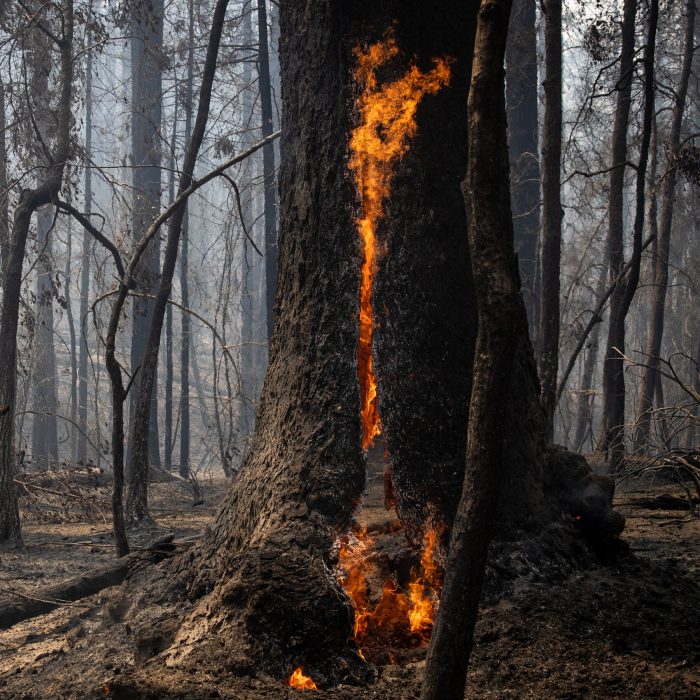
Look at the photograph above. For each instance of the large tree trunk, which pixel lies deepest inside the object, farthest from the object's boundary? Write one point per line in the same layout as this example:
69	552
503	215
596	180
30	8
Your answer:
552	213
660	268
262	573
523	125
260	584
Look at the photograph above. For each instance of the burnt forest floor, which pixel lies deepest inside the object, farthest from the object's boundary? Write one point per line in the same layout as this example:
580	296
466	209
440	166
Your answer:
626	629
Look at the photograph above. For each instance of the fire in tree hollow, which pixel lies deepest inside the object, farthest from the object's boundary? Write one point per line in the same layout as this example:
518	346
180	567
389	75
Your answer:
403	615
386	122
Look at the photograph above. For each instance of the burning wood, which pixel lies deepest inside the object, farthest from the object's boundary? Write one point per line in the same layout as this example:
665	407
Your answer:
301	682
403	614
386	123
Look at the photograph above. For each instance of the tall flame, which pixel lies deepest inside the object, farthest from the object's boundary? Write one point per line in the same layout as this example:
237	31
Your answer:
300	681
385	125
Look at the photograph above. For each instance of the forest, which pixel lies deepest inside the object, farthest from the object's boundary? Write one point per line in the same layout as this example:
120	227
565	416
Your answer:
349	349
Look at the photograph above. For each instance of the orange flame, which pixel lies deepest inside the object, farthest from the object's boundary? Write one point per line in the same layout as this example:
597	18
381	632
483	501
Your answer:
300	681
387	120
400	617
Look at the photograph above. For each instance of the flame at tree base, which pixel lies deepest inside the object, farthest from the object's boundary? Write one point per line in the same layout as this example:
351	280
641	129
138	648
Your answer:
402	616
301	682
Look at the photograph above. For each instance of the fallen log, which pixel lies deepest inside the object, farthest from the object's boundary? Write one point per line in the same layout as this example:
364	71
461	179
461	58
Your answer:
66	593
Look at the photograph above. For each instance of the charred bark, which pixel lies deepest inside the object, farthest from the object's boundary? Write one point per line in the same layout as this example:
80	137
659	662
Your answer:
261	575
270	203
613	369
552	214
523	146
424	297
661	261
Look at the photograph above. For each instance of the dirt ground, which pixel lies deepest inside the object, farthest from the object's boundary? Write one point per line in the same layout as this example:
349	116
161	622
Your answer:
629	628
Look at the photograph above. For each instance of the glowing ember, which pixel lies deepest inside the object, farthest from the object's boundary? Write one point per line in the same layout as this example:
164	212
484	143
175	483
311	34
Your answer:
386	123
301	682
402	617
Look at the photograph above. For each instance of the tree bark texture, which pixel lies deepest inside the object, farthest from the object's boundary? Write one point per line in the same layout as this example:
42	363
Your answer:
261	576
523	145
423	293
501	316
661	261
552	213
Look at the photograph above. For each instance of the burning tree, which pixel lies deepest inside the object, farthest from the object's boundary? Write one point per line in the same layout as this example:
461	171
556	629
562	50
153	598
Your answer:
373	332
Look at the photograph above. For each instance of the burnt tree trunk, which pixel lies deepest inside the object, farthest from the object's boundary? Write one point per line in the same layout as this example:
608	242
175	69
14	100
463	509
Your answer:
523	146
270	203
660	268
260	584
552	213
29	201
423	292
261	575
613	369
146	75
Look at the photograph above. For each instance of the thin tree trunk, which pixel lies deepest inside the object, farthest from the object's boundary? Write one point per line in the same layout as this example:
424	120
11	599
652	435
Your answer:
250	300
552	213
586	399
137	503
523	125
73	348
146	78
29	201
169	372
268	167
4	193
661	261
45	399
184	277
613	369
501	316
85	266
